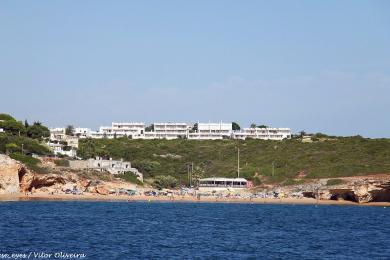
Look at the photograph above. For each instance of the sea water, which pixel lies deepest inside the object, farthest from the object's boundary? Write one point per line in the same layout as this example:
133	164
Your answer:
153	230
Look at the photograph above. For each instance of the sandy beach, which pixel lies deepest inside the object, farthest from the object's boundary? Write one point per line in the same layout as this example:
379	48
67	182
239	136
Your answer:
96	197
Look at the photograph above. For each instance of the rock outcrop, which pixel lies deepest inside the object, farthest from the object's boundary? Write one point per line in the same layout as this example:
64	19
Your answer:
101	190
15	177
9	178
375	188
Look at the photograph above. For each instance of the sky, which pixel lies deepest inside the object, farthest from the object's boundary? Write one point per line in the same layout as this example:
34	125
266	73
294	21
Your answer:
318	66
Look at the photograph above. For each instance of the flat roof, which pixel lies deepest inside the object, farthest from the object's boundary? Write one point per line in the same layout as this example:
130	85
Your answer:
222	179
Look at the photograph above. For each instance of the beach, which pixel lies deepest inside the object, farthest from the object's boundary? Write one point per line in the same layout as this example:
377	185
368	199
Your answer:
192	199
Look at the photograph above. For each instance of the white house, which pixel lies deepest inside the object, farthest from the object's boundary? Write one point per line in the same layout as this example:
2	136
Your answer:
58	149
109	165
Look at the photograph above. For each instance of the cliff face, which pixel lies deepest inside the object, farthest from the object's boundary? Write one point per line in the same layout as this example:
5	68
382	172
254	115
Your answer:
9	178
375	188
16	178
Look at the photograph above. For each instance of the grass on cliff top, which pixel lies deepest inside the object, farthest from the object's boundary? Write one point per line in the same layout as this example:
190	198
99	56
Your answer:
30	162
343	156
25	159
333	182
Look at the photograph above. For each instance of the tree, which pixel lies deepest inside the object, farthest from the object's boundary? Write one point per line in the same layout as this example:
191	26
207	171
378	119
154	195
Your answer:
38	131
194	128
235	126
197	174
302	133
165	182
26	125
6	117
69	130
149	128
253	125
262	126
13	127
87	149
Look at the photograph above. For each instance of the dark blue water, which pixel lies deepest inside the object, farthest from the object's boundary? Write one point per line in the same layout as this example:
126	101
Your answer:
120	230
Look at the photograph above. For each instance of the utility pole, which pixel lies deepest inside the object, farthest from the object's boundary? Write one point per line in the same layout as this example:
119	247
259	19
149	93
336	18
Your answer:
238	162
22	149
188	174
273	168
192	172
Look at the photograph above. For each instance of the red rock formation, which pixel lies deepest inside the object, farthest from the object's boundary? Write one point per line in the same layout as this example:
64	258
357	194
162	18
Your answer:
101	190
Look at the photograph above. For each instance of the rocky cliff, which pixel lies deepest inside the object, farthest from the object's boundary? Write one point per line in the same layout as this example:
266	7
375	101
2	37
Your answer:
17	178
361	189
9	178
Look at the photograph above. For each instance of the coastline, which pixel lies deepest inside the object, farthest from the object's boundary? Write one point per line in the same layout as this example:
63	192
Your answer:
186	199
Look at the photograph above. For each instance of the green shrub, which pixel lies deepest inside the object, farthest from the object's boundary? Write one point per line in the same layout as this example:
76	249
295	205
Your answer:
165	182
130	177
29	145
256	181
343	156
62	162
289	182
333	182
30	162
25	159
12	148
146	166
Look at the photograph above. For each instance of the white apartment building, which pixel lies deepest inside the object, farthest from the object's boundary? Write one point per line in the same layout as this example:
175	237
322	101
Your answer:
168	131
211	131
132	130
263	133
63	144
82	132
57	133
